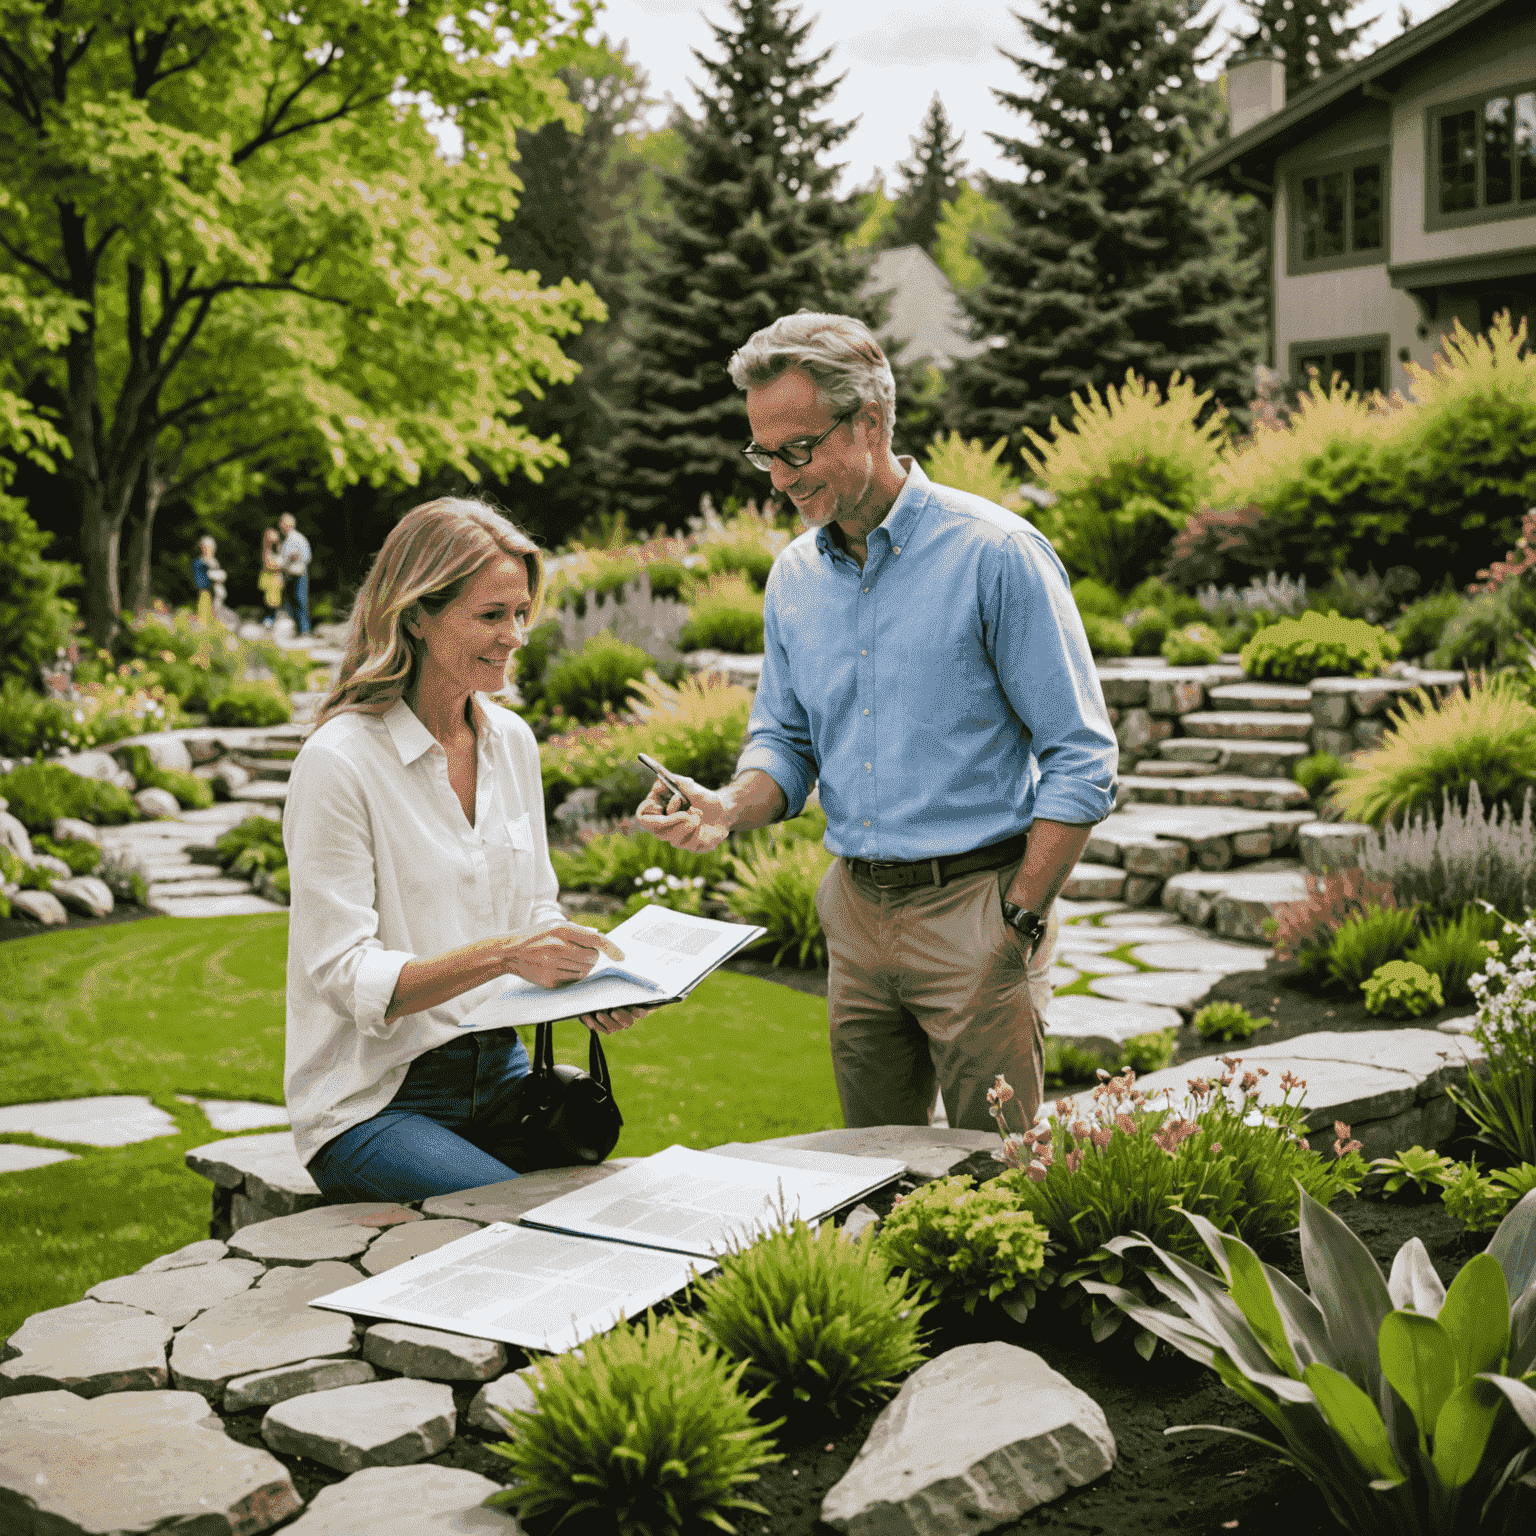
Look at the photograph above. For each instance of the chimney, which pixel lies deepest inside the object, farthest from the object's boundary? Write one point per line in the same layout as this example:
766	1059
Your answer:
1255	90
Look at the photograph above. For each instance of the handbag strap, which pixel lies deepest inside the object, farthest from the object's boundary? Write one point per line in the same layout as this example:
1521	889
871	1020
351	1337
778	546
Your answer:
543	1065
597	1064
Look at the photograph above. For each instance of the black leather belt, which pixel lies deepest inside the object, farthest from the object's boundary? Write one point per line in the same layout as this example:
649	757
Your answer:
894	874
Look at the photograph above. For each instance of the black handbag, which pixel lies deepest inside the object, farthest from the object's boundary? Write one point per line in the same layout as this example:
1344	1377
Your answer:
559	1115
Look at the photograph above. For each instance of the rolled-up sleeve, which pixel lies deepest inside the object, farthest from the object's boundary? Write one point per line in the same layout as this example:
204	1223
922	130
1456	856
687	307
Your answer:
779	730
333	924
1040	649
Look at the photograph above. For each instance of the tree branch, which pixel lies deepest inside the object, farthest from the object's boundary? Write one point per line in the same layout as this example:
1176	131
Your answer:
181	486
41	268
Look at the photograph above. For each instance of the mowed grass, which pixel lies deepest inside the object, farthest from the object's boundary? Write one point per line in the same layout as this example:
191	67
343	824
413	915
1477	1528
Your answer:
194	1006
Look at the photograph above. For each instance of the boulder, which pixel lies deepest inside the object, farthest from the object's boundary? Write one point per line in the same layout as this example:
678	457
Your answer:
88	1348
72	829
432	1355
40	906
231	775
165	750
50	862
974	1440
157	802
266	1168
377	1424
407	1501
96	765
15	837
84	894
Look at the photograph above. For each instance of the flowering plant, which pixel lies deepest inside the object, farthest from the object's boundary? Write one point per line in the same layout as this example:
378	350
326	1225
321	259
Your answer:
657	888
1303	930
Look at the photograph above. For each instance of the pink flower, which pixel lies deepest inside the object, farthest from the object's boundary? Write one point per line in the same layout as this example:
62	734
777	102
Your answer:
1102	1075
1100	1136
1289	1080
1231	1063
1043	1135
1079	1128
1341	1130
1263	1071
1215	1148
1001	1093
1249	1082
1074	1161
1064	1107
1126	1124
1037	1171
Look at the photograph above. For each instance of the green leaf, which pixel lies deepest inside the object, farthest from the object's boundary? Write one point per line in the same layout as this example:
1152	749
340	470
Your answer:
1514	1245
1251	1292
1476	1315
1354	1418
1519	1396
1462	1430
1347	1286
1413	1281
1419	1359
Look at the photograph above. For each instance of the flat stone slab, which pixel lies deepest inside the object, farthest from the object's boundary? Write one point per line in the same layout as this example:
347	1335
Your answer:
261	1389
212	906
136	1462
1329	845
270	1325
1138	920
1061	976
1425	1054
1202	954
1089	882
973	1440
1094	962
161	889
326	1232
398	1244
1103	1024
1234	789
14	1159
506	1394
1170	989
928	1151
438	1499
432	1355
1249	725
230	1115
1072	911
511	1199
206	1250
107	1120
88	1348
377	1424
266	1167
1261	696
179	1295
1170	932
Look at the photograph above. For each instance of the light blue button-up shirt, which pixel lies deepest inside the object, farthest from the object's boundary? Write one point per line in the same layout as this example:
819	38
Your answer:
944	695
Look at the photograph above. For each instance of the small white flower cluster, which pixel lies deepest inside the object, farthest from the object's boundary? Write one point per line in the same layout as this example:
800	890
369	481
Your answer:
657	885
1506	990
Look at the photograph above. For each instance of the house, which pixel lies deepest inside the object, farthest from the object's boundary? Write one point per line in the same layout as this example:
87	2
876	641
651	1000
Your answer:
924	318
1401	190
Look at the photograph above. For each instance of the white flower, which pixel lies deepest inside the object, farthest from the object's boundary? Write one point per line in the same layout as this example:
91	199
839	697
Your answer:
654	873
673	883
698	882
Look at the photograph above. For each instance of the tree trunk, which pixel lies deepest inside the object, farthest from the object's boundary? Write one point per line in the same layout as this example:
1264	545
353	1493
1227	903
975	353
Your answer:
141	541
99	539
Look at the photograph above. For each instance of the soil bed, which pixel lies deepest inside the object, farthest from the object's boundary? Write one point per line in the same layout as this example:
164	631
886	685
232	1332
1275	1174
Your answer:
27	928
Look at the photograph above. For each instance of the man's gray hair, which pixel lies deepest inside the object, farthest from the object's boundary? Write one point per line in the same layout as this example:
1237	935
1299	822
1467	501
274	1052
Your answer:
839	353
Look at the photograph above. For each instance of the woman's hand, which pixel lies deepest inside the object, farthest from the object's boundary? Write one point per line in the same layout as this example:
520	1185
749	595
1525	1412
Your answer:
615	1019
550	957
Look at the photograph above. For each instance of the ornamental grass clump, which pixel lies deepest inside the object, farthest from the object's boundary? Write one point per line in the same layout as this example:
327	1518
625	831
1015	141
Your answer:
614	861
1400	1399
818	1323
776	889
1454	951
1368	941
1480	1202
646	1430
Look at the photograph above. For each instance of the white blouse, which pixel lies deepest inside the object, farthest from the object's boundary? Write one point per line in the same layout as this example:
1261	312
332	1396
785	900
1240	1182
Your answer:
384	868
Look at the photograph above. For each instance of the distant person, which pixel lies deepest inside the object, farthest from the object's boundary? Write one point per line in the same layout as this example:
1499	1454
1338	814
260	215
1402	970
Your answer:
925	661
294	556
271	579
208	580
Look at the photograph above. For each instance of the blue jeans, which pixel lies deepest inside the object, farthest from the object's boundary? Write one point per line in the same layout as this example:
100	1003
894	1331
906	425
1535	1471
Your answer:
422	1142
296	600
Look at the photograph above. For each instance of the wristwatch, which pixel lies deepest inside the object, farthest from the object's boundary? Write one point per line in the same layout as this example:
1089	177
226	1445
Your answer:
1030	924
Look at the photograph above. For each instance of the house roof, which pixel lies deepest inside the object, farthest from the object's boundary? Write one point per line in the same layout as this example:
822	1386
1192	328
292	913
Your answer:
925	318
1250	156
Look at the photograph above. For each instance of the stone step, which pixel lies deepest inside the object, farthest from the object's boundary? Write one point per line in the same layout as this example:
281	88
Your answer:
213	884
1238	903
1261	697
1257	794
213	906
1248	725
263	792
1163	768
1163	690
1253	759
265	769
1212	837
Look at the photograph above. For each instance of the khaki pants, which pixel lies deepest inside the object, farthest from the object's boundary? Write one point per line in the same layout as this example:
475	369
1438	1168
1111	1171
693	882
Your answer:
929	988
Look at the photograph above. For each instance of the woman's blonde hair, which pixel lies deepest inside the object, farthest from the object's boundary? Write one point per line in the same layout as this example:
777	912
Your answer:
425	563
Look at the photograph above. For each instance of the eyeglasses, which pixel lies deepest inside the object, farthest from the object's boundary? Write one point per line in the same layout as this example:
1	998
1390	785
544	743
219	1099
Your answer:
797	452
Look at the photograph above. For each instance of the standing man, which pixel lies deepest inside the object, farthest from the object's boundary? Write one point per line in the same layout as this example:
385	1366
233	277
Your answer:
924	659
293	556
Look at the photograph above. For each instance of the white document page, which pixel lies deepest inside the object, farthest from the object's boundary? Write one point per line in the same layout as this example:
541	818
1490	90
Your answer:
539	1290
698	1203
666	955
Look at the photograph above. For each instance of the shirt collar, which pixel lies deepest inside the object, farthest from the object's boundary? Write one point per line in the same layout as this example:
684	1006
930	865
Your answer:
899	522
411	738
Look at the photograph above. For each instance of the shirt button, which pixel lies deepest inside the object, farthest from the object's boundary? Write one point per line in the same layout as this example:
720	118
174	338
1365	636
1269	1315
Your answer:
866	711
866	823
863	653
895	549
866	768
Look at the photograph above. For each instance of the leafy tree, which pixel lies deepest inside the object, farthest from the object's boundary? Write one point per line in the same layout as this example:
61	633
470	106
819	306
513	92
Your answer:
264	257
753	231
875	212
1314	37
1111	261
971	216
931	181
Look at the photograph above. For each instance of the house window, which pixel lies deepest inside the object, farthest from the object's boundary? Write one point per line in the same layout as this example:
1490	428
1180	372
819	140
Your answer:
1482	158
1338	215
1360	361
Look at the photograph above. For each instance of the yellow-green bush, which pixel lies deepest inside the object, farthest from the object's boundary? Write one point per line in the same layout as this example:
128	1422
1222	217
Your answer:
969	465
727	615
1316	645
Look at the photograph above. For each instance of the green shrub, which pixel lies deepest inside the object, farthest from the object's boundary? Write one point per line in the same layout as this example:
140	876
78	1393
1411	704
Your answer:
1150	1052
545	642
744	557
1106	637
645	1429
1452	950
1402	990
1148	629
1066	1063
1093	597
1485	736
34	620
727	615
29	723
1178	607
1196	645
261	833
1372	939
1316	645
966	1244
1226	1021
612	861
1487	631
191	792
1317	772
256	704
776	890
670	578
818	1322
968	465
34	878
81	856
121	876
1417	1172
1127	472
1304	930
39	793
590	683
1419	628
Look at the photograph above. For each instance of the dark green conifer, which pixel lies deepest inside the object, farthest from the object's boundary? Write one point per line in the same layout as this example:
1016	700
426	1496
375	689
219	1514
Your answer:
1314	37
931	181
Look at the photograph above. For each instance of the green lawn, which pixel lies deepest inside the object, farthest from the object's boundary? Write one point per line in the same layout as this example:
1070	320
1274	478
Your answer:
195	1006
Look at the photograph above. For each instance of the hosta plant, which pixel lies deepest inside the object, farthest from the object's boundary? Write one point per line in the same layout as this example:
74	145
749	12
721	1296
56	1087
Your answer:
819	1323
1400	1399
1417	1171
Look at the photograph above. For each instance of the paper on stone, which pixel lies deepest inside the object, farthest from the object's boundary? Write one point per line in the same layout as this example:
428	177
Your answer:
538	1290
702	1203
666	955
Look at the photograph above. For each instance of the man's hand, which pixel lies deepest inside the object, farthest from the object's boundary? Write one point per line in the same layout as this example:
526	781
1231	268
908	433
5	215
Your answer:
701	829
552	956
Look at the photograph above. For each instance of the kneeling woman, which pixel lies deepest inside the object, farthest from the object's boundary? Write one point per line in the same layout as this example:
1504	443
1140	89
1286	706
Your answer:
420	870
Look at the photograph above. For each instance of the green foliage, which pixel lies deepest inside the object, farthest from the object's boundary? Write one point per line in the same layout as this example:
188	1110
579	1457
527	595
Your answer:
971	466
727	615
1227	1022
1418	1171
1433	748
739	557
587	684
1488	630
1148	629
39	793
1106	637
1303	931
1094	598
1419	628
1373	938
970	215
122	878
1438	1456
1401	989
613	861
1473	1199
251	704
262	835
646	1429
1066	1063
82	856
1316	645
545	642
34	878
1196	645
191	792
776	890
1452	949
1150	1052
818	1322
967	1244
34	620
1317	771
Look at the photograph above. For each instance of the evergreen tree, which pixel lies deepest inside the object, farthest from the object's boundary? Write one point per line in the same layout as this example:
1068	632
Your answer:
931	181
1314	37
753	231
1110	260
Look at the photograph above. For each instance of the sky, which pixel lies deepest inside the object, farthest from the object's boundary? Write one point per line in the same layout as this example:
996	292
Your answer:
896	54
